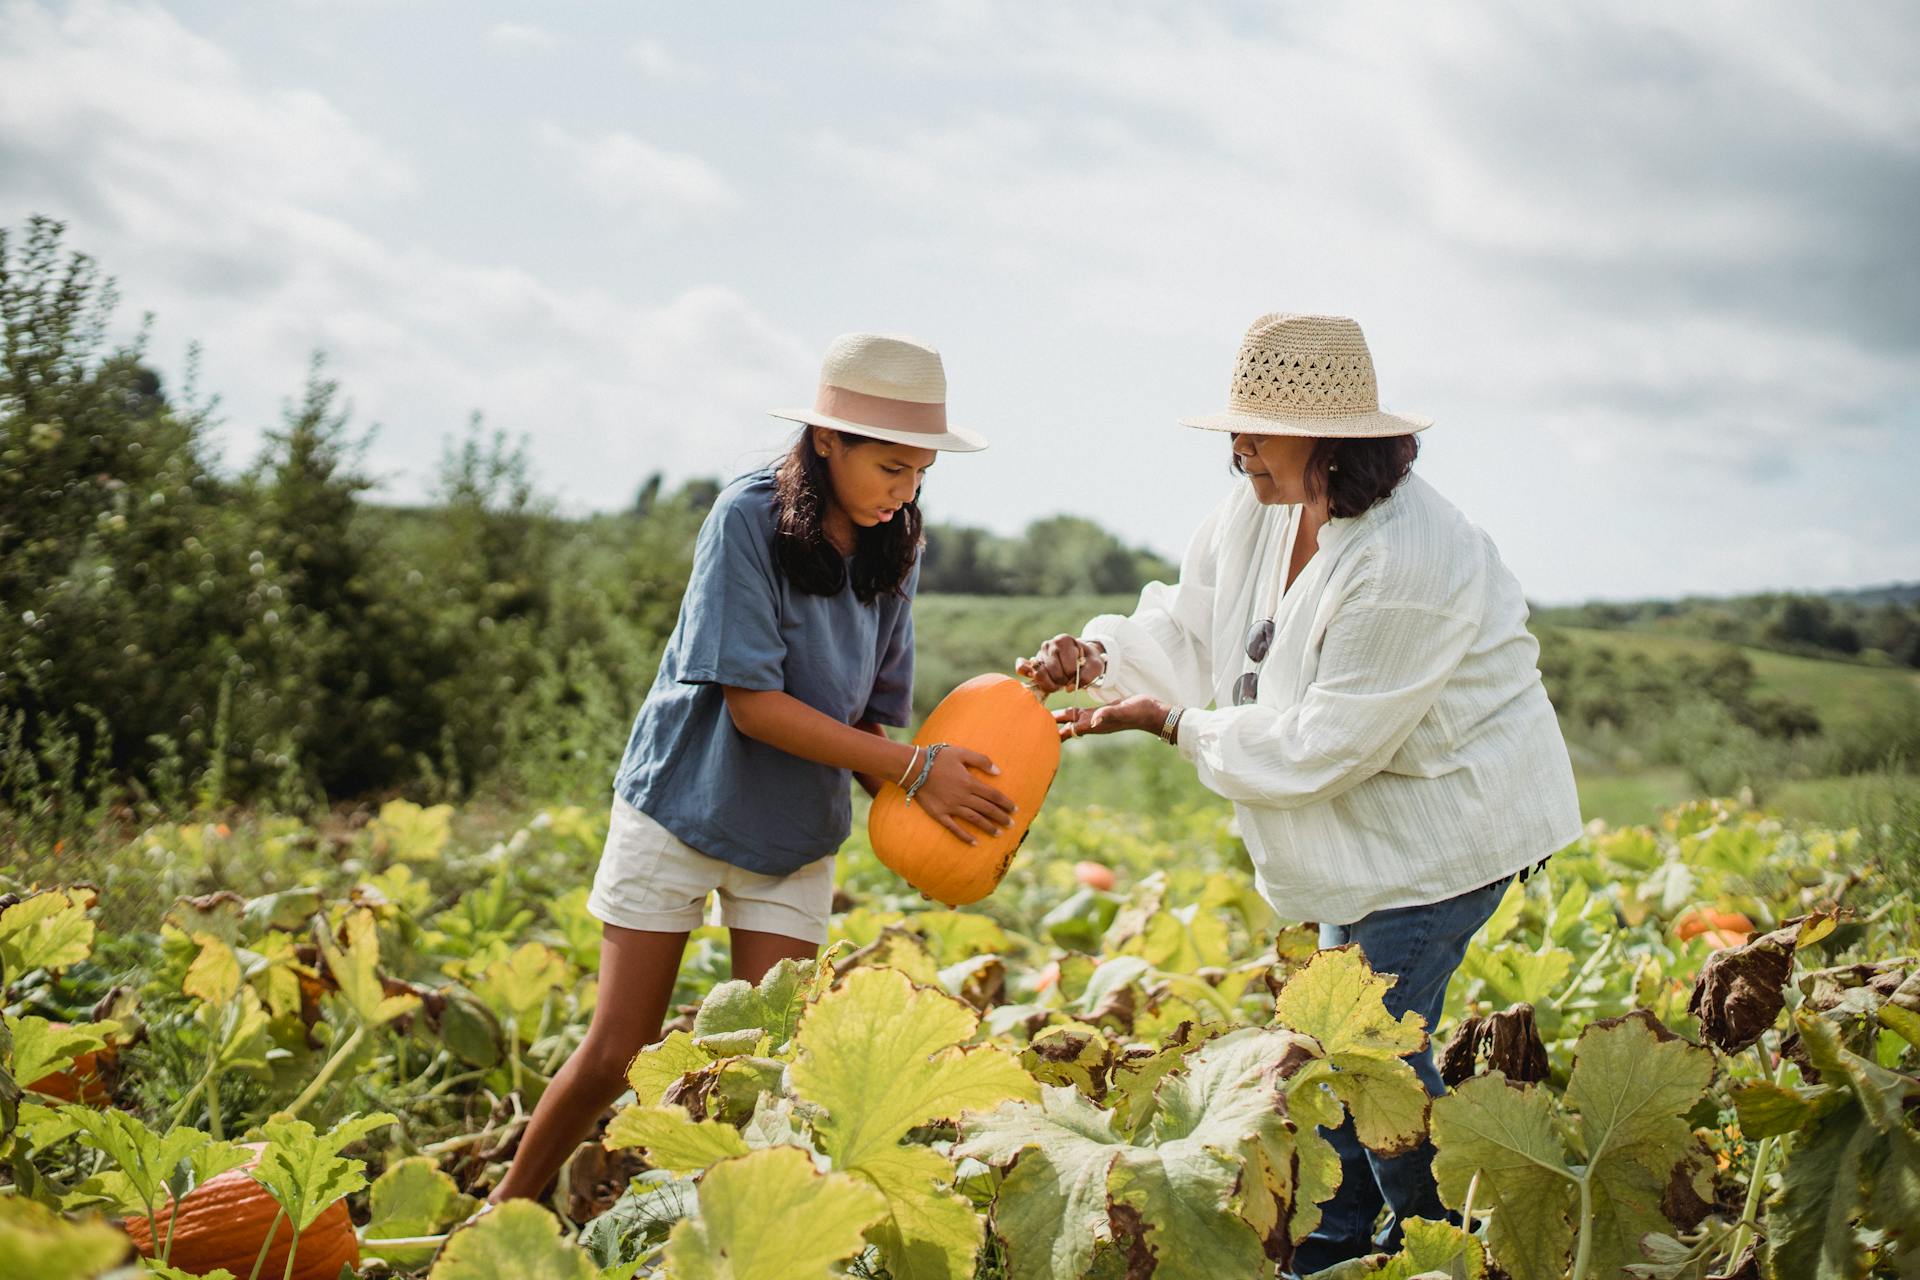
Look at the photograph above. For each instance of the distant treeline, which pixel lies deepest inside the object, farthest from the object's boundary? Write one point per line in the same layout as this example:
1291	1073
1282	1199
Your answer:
172	634
1880	626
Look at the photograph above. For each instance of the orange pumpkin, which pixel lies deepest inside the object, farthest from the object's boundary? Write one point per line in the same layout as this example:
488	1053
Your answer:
224	1221
84	1081
1698	920
1006	721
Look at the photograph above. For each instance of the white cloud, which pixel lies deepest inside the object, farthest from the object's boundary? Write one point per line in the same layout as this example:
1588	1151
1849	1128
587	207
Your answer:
628	172
210	199
521	35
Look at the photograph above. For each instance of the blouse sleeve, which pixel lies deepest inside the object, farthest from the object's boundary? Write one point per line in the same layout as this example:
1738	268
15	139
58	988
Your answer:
1162	648
892	699
730	614
1382	665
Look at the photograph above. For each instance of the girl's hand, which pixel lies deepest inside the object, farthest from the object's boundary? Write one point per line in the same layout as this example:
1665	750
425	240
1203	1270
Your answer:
1139	712
953	794
1054	667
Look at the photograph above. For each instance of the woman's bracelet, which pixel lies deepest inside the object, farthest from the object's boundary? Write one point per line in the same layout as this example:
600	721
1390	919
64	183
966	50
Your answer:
925	769
1171	729
912	759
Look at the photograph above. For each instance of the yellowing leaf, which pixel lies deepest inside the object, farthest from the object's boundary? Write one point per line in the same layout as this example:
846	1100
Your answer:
356	968
413	1198
40	1048
405	832
882	1056
673	1140
519	986
46	931
1339	1000
657	1067
517	1238
36	1241
214	975
768	1216
929	1232
1506	1135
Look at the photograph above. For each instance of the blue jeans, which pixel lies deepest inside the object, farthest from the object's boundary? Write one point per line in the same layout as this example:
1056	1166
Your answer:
1422	946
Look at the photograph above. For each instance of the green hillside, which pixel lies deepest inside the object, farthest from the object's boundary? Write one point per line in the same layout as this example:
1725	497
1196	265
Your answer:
1845	694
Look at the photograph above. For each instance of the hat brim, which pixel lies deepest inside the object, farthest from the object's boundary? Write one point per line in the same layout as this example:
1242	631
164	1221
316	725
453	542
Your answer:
952	440
1360	426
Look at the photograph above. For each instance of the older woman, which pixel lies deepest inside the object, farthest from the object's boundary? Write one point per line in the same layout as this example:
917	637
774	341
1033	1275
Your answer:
1346	658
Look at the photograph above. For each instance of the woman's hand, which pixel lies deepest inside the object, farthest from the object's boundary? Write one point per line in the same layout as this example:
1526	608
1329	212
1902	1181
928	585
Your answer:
953	794
1064	662
1139	712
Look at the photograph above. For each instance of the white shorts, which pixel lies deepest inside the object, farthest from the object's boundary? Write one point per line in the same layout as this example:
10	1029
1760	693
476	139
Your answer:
649	879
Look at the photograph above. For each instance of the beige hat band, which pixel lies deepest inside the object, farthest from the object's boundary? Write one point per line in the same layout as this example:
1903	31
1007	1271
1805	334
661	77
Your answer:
880	411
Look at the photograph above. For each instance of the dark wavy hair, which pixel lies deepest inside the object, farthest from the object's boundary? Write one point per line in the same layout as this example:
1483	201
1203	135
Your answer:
1353	474
883	554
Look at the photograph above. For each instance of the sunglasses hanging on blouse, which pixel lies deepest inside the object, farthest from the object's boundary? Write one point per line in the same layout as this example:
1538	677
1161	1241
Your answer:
1259	639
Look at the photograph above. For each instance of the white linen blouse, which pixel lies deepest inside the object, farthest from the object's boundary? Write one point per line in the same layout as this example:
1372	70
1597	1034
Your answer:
1401	749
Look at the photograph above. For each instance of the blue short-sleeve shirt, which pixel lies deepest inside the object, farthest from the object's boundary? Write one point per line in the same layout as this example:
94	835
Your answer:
742	624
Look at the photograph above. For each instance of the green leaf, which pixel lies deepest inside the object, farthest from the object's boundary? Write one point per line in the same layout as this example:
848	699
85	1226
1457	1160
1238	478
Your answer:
413	1198
305	1170
356	968
1511	974
774	1006
145	1157
1339	1000
1632	1085
1507	1137
519	986
36	1241
1768	1110
1052	1207
771	1216
518	1239
672	1139
46	931
40	1048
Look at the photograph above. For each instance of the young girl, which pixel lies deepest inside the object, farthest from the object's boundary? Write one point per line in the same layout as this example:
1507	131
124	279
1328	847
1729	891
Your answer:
793	646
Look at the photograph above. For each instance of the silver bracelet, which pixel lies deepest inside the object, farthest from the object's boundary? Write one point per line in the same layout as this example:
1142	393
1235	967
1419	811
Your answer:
925	770
912	760
1171	729
1106	669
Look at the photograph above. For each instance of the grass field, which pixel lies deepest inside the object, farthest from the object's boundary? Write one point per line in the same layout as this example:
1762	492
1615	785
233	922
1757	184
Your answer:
1846	694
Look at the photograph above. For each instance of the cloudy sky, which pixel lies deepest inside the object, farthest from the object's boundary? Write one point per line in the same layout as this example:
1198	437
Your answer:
1652	269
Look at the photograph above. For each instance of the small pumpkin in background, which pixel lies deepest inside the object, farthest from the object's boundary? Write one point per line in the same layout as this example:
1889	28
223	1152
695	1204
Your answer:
224	1221
86	1081
1721	929
1006	721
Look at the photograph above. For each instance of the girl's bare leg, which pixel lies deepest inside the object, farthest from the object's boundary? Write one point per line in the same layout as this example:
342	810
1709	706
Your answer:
637	972
754	952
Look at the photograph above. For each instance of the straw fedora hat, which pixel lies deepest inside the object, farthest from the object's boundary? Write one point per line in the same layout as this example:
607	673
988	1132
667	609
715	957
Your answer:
888	388
1306	376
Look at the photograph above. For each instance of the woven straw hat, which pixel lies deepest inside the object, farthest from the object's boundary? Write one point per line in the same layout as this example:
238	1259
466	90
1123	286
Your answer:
887	388
1306	376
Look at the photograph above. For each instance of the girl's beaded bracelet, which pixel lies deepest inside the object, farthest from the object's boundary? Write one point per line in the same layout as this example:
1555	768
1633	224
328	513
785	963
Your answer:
925	769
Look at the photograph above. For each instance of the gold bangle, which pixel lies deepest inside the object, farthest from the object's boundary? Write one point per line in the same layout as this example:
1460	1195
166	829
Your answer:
911	761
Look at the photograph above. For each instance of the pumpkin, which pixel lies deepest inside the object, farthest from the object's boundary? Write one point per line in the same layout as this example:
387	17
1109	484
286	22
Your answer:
1094	875
1005	720
1698	920
224	1221
85	1081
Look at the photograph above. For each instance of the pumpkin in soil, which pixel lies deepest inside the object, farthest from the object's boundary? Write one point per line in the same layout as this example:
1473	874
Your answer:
1724	928
224	1221
85	1081
1005	721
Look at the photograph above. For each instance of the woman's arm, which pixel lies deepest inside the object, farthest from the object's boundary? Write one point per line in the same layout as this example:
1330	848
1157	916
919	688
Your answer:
952	792
870	782
1162	649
